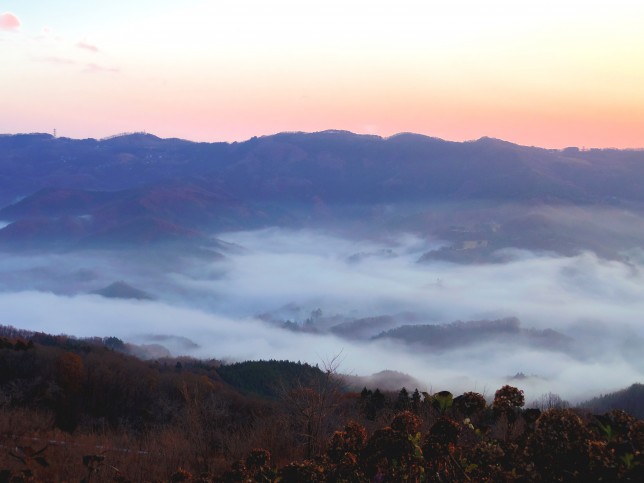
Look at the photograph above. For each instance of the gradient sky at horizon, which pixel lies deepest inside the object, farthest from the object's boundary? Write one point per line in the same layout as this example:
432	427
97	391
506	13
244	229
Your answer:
548	73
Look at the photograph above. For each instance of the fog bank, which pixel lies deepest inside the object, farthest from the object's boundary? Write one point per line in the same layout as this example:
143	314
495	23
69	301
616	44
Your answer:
234	308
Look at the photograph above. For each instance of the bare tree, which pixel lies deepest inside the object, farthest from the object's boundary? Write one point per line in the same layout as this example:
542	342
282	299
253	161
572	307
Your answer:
550	401
313	408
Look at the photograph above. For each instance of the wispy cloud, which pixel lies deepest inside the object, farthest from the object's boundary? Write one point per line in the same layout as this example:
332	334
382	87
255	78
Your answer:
8	21
93	68
47	33
56	60
86	46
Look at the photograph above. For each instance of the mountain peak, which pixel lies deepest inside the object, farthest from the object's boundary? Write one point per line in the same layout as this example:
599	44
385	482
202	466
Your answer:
122	290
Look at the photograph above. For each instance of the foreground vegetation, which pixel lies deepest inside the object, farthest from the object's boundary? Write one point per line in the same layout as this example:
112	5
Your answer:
83	410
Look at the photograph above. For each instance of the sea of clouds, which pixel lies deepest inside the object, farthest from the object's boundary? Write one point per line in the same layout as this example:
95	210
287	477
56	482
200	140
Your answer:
216	302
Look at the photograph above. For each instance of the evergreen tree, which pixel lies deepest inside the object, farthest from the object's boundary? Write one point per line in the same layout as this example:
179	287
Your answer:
403	402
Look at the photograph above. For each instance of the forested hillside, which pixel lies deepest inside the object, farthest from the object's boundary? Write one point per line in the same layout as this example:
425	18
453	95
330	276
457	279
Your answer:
630	399
83	408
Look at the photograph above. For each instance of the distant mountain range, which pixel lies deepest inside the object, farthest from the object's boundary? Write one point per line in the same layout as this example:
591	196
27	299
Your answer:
142	189
458	334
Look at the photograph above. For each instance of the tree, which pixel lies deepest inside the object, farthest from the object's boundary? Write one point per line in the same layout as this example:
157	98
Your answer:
550	401
442	401
415	401
312	407
70	376
470	403
508	399
402	402
70	372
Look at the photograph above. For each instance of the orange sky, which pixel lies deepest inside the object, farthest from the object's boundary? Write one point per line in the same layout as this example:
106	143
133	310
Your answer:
549	73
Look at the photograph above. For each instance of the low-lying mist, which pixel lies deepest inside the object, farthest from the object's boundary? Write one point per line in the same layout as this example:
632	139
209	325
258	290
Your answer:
282	294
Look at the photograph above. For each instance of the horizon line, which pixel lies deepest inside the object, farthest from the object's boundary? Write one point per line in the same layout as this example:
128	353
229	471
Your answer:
55	135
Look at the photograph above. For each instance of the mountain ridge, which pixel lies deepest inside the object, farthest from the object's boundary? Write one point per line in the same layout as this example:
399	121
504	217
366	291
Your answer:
288	179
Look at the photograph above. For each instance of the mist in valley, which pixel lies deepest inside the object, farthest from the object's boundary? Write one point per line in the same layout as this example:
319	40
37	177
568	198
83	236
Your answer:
545	322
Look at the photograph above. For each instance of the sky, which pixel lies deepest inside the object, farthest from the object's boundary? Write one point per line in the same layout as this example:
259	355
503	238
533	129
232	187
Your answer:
548	73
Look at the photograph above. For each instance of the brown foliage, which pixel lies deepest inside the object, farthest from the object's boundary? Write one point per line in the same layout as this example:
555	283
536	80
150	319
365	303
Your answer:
350	441
508	399
559	445
145	421
470	403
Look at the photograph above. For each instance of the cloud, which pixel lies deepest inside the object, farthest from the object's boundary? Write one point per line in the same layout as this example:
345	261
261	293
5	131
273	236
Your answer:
93	68
86	46
289	273
56	60
9	21
482	367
